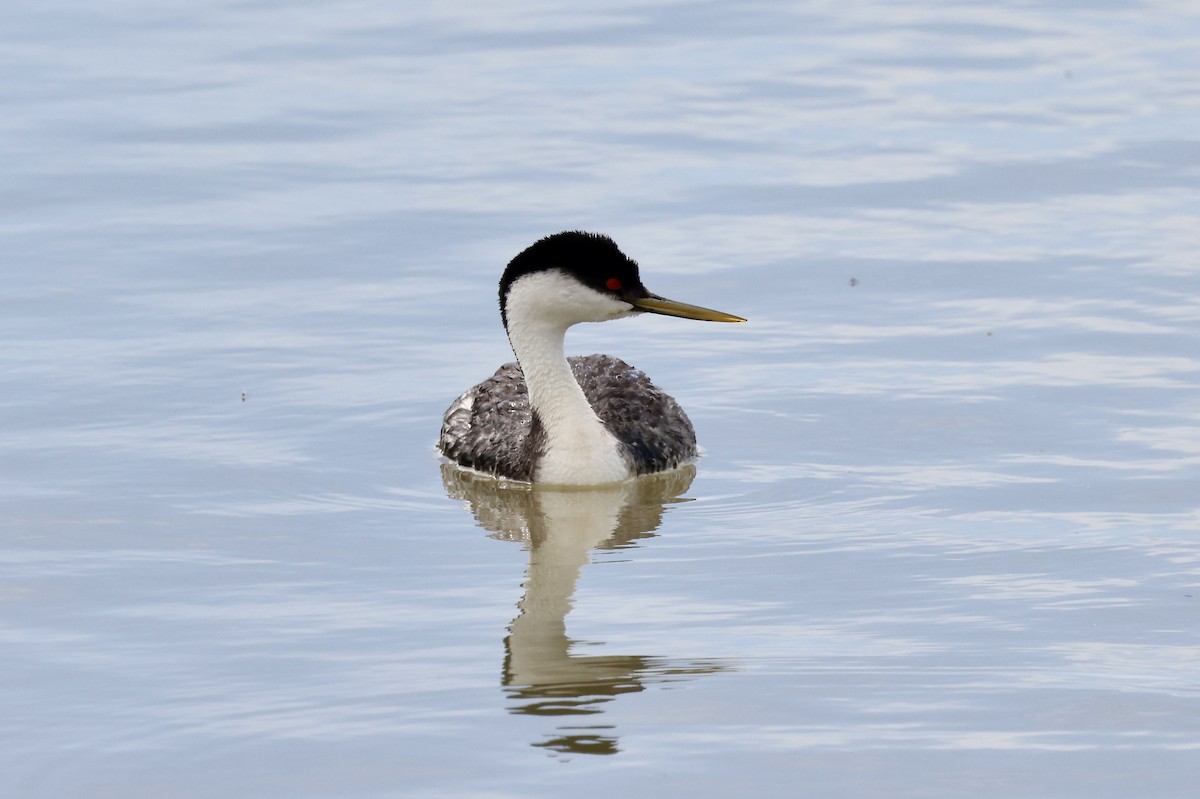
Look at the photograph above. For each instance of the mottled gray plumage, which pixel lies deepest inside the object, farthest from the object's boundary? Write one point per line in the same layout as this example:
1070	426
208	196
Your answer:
491	428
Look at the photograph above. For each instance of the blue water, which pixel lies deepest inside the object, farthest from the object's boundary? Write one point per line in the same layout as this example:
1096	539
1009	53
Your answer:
944	539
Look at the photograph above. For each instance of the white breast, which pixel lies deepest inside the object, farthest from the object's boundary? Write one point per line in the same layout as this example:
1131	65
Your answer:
583	456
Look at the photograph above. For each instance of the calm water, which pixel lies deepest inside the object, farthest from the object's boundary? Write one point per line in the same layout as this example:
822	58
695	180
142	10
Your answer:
945	538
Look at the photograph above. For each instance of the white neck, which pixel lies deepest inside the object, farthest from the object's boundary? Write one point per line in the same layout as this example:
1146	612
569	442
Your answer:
539	309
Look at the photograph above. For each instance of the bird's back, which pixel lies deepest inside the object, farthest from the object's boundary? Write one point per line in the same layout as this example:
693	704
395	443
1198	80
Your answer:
491	428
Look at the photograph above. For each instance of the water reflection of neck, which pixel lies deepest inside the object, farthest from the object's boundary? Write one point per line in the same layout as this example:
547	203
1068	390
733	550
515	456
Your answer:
572	523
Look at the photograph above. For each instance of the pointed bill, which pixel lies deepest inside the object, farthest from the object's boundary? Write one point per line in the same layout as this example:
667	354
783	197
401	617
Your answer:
661	305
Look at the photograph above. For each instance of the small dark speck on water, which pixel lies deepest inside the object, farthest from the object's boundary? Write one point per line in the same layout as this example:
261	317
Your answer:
853	282
243	396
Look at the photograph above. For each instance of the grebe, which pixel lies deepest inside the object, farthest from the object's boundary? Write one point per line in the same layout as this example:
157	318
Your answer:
585	420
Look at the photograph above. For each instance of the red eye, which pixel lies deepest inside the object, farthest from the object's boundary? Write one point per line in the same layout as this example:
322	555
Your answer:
613	284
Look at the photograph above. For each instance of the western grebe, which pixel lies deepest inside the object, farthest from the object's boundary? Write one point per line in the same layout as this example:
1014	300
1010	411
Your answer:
584	420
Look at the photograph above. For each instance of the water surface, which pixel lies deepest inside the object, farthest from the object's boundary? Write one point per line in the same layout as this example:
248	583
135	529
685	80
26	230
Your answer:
944	538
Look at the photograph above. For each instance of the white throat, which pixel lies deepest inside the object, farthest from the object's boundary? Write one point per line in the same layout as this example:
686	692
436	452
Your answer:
539	309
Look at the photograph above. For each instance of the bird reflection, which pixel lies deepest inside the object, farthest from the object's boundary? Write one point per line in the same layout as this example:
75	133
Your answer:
544	672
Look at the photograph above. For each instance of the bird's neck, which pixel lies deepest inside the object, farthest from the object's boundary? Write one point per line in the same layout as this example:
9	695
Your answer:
579	450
